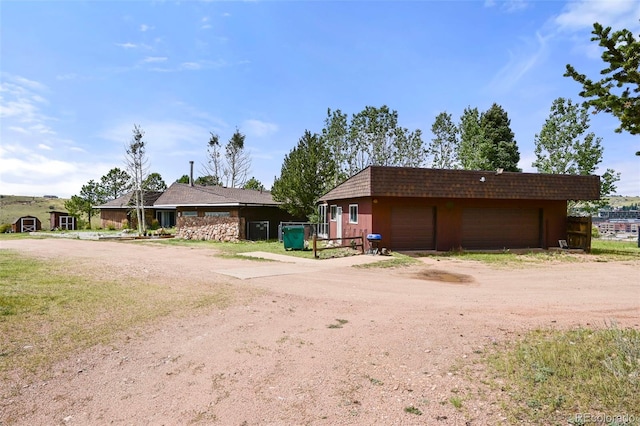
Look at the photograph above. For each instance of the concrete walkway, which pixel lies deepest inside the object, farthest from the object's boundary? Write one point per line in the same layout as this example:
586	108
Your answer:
280	264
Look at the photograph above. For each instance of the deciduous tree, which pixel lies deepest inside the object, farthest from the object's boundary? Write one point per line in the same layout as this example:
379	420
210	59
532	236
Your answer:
444	145
564	146
137	165
238	161
372	137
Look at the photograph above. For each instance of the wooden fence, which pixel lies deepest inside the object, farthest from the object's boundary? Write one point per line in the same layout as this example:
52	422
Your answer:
579	232
354	242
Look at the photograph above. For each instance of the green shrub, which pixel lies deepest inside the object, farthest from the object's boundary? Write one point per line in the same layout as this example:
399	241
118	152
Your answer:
5	227
595	232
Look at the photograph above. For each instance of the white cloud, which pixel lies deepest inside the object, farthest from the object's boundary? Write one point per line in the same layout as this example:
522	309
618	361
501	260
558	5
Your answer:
529	55
30	84
155	59
127	45
190	66
201	65
508	6
18	129
582	14
145	28
45	147
27	172
259	128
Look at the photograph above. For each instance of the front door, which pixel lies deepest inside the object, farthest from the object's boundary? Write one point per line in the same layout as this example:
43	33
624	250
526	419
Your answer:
339	223
67	223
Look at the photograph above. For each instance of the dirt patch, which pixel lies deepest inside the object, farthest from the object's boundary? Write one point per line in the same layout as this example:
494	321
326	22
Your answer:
445	276
329	345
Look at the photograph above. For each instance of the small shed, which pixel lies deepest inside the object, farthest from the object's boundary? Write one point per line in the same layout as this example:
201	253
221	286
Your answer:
26	224
62	221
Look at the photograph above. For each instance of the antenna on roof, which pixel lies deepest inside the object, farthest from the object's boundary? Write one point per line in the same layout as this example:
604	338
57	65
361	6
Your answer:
191	173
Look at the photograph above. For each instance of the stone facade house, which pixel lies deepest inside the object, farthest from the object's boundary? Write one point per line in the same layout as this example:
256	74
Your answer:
207	212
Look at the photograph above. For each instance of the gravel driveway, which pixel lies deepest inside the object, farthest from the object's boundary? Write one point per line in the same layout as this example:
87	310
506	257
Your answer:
321	343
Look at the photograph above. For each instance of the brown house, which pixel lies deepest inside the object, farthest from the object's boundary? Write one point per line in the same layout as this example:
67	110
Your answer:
225	214
431	209
204	212
120	213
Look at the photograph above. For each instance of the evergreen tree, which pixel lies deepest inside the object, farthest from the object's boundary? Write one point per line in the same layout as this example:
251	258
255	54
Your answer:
154	183
115	183
254	184
306	172
618	91
500	149
486	140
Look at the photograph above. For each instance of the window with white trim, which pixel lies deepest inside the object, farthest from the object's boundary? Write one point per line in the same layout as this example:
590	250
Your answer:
323	226
190	214
353	213
217	214
334	212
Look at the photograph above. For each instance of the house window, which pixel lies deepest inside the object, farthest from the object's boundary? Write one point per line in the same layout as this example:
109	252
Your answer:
334	212
189	214
323	226
217	214
353	213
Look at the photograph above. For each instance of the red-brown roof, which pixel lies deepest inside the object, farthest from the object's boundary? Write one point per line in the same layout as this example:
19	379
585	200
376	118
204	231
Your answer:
380	181
127	200
179	194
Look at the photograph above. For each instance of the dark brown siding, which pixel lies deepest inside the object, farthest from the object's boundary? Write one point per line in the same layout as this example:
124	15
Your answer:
539	223
412	228
115	218
501	228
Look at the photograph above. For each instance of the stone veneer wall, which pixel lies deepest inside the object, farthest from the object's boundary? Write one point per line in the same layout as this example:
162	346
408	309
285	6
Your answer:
210	228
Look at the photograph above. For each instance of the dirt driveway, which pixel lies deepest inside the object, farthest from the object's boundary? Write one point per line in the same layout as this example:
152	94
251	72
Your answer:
408	337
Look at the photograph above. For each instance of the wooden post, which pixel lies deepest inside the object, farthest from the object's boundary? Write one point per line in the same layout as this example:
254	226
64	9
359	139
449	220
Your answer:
315	252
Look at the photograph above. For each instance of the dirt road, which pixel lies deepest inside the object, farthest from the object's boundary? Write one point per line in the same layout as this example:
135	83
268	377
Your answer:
283	357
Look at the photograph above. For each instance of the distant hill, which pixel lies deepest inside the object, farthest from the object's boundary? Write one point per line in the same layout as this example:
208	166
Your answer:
619	201
15	206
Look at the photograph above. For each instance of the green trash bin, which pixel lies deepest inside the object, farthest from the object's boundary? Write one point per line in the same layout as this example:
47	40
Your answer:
293	237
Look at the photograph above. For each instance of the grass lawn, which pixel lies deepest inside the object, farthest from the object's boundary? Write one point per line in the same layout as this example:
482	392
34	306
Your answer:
576	377
50	309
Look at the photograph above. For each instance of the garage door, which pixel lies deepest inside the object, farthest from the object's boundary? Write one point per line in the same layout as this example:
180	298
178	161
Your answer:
412	228
496	229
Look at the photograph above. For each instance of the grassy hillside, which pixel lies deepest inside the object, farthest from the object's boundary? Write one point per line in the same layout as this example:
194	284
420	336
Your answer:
15	206
623	201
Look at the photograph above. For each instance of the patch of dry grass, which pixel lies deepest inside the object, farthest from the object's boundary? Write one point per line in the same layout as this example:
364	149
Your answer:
50	309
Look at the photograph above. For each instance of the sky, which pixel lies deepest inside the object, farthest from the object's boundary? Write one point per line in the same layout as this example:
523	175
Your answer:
76	76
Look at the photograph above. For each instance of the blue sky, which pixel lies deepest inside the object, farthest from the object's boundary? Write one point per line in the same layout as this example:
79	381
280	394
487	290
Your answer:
77	75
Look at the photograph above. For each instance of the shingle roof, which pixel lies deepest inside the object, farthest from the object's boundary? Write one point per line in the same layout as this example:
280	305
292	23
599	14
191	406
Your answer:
379	181
127	200
180	194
